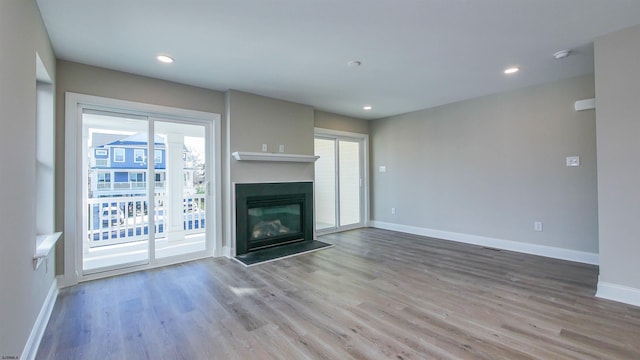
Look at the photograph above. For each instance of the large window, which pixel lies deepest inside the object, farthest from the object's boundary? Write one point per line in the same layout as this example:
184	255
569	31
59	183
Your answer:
45	151
44	164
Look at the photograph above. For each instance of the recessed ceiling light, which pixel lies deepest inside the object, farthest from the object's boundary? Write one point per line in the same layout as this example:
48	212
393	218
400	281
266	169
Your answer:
367	107
354	63
511	70
165	59
561	54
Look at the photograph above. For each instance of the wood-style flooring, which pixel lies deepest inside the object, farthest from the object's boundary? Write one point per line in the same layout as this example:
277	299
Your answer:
376	295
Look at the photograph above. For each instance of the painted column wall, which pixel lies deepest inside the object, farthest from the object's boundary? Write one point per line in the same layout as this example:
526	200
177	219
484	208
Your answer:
618	126
23	289
254	120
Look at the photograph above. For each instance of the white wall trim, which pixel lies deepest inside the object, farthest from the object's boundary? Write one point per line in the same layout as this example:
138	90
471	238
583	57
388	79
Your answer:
33	342
226	252
526	248
339	133
619	293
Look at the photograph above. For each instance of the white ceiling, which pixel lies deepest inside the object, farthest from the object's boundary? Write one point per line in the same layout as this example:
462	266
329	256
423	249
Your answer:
415	53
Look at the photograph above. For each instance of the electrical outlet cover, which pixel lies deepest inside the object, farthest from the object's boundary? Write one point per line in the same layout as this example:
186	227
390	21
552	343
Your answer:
537	225
573	160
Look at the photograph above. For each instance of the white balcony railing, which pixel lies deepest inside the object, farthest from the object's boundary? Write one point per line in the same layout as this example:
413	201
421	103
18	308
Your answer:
103	185
137	185
116	220
121	185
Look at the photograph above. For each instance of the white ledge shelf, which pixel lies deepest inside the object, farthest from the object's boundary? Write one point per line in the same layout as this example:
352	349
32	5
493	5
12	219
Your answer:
258	156
44	244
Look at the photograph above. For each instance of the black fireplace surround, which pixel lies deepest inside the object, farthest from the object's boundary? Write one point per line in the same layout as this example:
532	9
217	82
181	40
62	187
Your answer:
272	214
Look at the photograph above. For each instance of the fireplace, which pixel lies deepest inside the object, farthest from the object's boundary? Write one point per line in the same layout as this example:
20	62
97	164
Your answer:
273	214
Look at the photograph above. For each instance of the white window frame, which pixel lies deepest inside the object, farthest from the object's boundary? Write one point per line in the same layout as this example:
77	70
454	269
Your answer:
102	174
74	105
364	139
137	174
135	156
45	169
157	156
115	155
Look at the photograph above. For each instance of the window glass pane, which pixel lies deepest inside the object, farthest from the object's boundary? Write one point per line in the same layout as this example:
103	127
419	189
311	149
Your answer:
180	187
118	155
325	184
349	160
115	233
138	156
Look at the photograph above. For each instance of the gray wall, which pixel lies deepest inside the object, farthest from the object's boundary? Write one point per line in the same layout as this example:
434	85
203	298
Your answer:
618	94
254	120
90	80
248	122
491	166
24	289
332	121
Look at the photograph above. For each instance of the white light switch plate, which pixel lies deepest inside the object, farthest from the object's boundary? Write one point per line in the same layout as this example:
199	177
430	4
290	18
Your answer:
382	169
573	160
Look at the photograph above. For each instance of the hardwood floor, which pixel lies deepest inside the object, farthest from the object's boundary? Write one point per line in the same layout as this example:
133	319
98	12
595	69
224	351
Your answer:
376	295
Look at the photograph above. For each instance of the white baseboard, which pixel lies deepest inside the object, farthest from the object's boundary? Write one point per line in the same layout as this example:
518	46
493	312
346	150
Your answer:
619	293
226	252
31	347
527	248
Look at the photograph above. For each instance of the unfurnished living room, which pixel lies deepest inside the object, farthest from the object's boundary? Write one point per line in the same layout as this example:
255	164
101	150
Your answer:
290	179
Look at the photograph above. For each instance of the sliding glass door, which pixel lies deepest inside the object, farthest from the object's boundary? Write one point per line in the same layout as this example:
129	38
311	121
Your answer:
145	189
339	181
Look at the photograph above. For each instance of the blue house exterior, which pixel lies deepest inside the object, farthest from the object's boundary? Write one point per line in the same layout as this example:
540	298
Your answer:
118	186
119	168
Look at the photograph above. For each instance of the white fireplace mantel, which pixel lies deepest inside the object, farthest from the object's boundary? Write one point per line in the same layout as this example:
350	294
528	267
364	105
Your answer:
263	156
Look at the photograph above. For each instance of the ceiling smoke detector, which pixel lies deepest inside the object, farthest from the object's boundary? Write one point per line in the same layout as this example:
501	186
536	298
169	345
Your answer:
561	54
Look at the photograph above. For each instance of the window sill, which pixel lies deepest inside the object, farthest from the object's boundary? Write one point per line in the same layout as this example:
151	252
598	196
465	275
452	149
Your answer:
44	244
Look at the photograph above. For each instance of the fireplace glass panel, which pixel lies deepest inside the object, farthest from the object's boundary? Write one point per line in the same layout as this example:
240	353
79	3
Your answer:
274	221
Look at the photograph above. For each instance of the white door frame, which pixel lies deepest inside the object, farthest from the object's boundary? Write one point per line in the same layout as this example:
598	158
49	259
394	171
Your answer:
364	173
74	104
